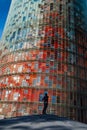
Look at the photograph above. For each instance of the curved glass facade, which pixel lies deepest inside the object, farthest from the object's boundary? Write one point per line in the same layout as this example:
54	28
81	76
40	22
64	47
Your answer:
44	51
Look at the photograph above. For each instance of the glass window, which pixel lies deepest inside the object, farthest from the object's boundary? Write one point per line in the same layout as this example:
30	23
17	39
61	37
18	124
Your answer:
51	6
53	99
46	79
40	107
34	82
59	86
38	79
25	91
36	66
50	83
19	31
58	99
40	97
24	18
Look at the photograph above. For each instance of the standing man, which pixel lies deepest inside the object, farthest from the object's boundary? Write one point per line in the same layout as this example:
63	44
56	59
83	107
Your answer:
45	99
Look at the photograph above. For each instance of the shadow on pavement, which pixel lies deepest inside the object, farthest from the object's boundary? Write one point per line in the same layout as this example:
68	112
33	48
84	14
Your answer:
41	122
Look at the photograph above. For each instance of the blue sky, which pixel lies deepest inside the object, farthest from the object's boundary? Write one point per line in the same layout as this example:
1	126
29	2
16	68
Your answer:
4	8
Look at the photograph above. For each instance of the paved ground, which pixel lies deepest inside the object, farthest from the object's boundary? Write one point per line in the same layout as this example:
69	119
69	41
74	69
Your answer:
41	122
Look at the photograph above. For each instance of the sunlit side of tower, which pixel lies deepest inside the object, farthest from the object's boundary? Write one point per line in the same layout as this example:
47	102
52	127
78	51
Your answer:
44	50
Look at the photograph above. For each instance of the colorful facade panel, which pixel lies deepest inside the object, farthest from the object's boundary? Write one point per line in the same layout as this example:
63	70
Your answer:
43	53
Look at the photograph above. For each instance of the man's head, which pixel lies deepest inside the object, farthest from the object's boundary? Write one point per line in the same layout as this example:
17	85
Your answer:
45	94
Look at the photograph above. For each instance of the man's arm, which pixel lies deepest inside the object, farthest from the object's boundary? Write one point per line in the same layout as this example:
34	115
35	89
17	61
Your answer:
43	99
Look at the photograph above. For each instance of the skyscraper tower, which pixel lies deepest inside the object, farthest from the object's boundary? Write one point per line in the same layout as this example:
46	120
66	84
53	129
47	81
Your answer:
44	51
